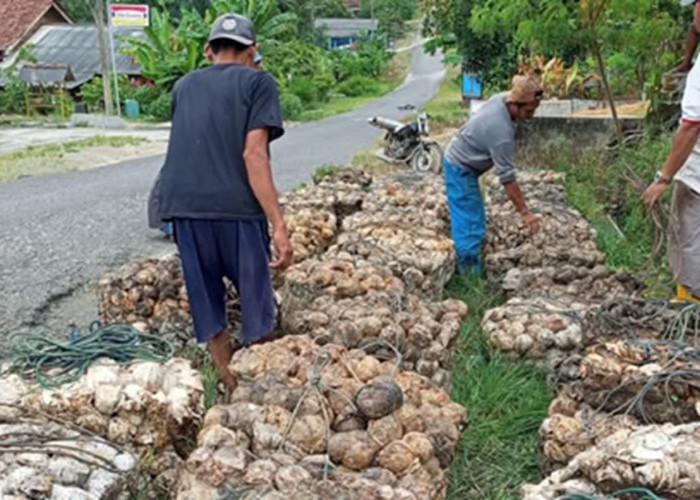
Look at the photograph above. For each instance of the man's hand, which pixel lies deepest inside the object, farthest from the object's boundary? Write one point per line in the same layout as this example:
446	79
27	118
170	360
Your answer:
683	67
283	249
653	193
532	222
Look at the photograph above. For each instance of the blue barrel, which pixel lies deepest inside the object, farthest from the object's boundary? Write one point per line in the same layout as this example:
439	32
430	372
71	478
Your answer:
131	108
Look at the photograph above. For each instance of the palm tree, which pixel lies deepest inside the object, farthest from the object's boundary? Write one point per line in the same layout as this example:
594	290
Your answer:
270	23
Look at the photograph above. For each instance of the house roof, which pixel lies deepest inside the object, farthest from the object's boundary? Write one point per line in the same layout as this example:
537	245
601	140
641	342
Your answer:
18	17
78	47
45	75
352	4
339	27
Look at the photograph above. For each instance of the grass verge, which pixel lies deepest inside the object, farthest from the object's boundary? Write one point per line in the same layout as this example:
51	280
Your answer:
445	109
54	157
506	401
395	76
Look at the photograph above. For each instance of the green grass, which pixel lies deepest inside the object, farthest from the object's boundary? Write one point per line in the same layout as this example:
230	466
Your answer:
46	158
341	104
446	109
506	402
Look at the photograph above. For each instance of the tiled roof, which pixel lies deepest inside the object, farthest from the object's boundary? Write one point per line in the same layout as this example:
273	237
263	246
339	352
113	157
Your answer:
17	17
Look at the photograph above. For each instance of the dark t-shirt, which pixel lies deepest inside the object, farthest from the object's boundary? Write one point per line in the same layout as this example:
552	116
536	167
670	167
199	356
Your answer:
204	175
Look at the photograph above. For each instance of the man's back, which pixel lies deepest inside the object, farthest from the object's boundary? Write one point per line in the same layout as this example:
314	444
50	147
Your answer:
204	176
487	138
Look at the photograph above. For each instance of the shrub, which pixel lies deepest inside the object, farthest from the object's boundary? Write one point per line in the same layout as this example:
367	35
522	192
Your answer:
13	98
161	107
291	105
305	89
358	86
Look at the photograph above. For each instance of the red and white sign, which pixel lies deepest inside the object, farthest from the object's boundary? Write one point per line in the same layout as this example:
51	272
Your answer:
128	15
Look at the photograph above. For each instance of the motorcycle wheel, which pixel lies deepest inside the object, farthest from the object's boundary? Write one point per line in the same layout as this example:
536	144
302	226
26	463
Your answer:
427	159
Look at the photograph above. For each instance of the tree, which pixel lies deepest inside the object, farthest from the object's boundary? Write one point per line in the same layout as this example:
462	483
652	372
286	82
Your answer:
632	35
174	48
391	14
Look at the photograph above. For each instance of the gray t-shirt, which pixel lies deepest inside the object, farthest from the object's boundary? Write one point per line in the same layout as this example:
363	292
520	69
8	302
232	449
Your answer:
486	140
204	175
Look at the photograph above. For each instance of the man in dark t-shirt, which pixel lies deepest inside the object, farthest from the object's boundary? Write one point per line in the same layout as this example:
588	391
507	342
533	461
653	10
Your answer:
216	186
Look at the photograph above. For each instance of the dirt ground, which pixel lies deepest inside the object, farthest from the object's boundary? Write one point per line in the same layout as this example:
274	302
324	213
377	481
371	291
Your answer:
86	158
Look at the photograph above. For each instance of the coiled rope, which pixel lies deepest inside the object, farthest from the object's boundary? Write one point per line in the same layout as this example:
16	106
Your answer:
53	363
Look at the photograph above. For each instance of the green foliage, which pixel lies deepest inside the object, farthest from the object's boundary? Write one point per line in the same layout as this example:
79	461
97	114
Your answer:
306	74
392	15
291	105
13	97
301	68
637	37
357	86
160	108
153	102
369	59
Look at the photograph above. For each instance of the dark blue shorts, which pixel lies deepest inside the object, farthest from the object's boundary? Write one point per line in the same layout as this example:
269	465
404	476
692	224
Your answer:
238	250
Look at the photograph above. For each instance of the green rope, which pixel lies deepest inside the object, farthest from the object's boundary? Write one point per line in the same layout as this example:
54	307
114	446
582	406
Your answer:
55	363
647	495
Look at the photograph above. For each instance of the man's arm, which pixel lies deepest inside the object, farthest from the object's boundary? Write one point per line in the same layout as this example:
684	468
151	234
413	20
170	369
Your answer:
515	195
257	163
691	44
503	156
683	144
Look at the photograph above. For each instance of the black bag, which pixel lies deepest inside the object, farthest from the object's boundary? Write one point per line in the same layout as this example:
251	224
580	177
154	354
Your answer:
155	220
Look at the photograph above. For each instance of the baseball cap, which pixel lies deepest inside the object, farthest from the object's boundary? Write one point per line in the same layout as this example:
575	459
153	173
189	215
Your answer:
525	89
233	27
685	3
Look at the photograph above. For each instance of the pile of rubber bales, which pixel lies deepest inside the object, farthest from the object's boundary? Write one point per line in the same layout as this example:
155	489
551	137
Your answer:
152	294
84	439
660	458
309	421
45	459
352	400
626	370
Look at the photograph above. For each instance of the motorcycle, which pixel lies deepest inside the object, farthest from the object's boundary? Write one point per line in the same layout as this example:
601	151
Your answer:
405	143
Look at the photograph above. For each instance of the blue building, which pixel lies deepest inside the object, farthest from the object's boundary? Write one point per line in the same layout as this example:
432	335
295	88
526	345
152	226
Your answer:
342	33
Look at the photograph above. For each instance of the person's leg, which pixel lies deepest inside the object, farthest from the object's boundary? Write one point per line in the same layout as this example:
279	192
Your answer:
684	242
467	216
196	241
248	245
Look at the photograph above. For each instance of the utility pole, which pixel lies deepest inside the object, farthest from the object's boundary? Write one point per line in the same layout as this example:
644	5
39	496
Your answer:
112	51
98	14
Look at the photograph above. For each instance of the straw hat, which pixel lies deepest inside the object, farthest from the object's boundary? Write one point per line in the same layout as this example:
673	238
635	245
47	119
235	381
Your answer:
524	89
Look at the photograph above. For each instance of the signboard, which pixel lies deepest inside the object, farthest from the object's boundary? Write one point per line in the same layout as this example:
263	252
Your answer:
128	15
471	86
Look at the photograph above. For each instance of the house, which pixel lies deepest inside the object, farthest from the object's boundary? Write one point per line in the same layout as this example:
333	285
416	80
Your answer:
77	48
19	20
46	75
342	33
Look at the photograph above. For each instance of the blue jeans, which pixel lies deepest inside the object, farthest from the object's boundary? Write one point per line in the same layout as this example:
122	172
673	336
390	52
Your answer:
467	215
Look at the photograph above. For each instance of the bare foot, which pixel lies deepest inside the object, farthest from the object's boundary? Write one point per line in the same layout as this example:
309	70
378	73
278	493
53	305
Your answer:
221	351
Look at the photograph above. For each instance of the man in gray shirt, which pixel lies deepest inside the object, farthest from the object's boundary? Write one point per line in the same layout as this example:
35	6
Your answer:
487	140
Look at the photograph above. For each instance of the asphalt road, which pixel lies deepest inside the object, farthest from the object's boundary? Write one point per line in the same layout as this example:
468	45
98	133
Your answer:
60	233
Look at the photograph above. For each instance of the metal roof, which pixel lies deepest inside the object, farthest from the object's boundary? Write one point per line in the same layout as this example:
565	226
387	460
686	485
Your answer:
46	75
77	47
339	27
